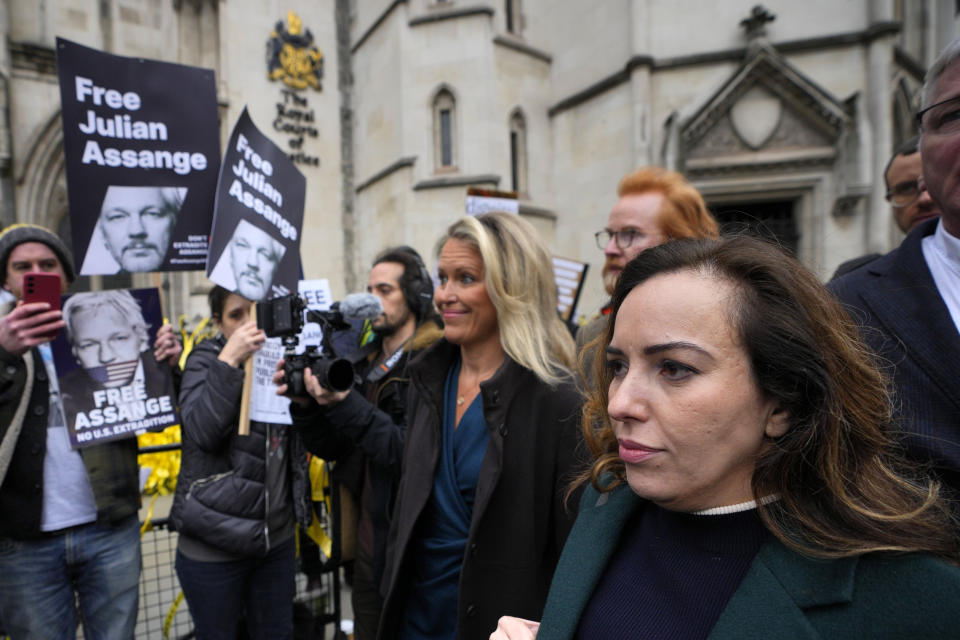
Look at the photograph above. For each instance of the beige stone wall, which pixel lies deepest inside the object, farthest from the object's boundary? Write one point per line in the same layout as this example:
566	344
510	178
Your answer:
592	151
380	106
588	41
683	27
245	27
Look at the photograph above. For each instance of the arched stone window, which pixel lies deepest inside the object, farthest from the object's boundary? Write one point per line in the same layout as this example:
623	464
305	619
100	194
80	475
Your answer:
444	131
518	152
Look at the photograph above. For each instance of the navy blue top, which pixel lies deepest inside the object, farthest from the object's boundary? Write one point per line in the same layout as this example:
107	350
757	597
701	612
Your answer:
672	574
431	608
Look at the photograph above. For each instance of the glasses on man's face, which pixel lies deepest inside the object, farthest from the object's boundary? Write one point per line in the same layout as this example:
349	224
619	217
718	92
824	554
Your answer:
904	193
942	118
625	237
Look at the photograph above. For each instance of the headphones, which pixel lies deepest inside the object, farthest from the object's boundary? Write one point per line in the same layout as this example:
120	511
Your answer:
415	283
418	290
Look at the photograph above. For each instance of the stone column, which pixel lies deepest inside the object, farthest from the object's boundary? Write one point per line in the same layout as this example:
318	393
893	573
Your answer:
879	110
8	208
642	151
351	278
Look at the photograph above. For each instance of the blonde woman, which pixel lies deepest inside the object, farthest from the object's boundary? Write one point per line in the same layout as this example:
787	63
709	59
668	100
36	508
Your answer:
480	520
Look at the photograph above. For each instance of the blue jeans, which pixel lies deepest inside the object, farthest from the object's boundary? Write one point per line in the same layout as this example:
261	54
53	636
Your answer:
42	580
220	593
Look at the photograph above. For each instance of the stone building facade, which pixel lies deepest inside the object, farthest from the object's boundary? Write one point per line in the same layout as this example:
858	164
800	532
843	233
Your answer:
785	113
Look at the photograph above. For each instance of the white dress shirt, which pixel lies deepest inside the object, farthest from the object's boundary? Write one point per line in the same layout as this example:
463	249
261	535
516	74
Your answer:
942	254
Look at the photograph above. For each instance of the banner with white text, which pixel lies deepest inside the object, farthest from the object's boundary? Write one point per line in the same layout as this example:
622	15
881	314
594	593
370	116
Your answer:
255	241
142	146
265	404
111	386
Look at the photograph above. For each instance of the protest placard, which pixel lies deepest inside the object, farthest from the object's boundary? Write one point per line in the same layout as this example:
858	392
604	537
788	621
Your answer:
487	200
255	242
142	149
569	276
265	404
111	385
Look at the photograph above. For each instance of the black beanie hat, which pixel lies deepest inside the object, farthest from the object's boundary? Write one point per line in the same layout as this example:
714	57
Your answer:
17	234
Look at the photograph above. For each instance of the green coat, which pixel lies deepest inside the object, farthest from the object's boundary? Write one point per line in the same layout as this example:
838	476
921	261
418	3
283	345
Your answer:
783	595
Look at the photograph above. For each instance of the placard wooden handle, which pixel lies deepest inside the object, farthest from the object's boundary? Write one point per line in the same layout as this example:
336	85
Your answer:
244	427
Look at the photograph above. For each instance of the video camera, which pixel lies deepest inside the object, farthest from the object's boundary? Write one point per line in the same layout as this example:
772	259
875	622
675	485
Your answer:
284	318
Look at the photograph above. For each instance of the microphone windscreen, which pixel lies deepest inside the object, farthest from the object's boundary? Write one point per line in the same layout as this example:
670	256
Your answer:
361	306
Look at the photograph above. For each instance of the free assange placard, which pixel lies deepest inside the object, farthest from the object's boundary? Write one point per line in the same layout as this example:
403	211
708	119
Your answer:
255	242
142	153
110	384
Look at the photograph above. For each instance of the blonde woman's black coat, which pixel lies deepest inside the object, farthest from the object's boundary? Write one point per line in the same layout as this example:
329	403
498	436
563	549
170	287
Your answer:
520	519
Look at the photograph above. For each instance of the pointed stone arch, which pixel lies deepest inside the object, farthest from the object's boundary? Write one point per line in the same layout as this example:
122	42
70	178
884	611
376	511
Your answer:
904	108
774	146
517	125
41	178
767	113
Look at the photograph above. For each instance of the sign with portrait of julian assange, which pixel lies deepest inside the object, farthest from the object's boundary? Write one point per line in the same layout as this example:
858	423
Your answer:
255	241
111	386
142	148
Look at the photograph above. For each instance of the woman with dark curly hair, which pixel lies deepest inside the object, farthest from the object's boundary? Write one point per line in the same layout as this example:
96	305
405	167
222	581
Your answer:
745	483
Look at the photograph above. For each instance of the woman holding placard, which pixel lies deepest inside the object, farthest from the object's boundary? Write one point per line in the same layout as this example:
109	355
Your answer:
238	498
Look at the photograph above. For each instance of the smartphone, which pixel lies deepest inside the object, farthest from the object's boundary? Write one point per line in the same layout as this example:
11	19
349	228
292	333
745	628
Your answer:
42	287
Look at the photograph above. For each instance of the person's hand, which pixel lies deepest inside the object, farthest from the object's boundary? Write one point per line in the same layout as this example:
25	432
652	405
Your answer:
28	325
323	396
246	339
281	385
509	628
166	346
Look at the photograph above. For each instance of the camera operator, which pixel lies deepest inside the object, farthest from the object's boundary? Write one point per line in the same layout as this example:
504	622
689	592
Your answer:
361	428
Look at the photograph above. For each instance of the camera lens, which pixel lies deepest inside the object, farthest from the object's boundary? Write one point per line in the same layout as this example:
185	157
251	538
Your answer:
340	375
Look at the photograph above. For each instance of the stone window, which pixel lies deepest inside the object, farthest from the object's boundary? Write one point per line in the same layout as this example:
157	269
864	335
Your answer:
444	131
518	152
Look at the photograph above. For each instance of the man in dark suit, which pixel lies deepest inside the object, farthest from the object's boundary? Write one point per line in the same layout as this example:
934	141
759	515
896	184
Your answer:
908	302
911	205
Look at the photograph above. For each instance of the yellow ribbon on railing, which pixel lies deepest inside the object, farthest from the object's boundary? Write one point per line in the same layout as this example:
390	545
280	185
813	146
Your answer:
203	331
148	521
164	466
168	619
320	486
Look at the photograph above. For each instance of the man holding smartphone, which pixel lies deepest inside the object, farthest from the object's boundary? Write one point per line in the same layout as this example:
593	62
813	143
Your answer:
69	532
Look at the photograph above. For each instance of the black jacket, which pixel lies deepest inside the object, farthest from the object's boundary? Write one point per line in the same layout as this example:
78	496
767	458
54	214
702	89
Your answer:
220	492
365	432
111	466
905	321
520	519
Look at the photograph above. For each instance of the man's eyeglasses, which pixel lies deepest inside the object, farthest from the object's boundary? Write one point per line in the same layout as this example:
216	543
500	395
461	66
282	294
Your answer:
625	237
941	118
904	193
